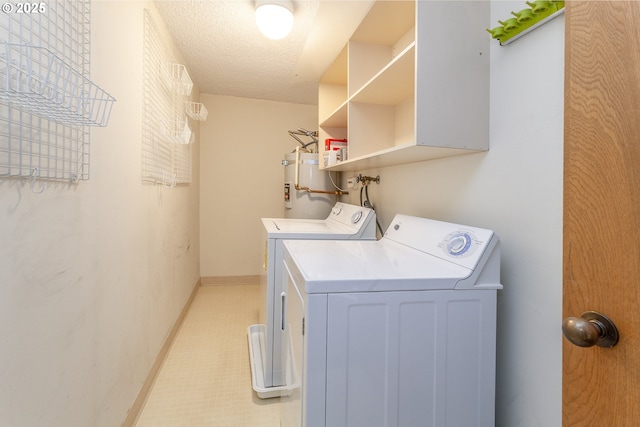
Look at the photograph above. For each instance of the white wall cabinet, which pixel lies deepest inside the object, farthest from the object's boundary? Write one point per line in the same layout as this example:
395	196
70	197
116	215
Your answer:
411	84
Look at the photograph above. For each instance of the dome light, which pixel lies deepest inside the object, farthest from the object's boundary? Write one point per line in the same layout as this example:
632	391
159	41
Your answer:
274	18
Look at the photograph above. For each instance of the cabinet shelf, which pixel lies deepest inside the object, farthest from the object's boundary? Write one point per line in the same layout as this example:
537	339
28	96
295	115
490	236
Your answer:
397	155
405	92
338	118
391	85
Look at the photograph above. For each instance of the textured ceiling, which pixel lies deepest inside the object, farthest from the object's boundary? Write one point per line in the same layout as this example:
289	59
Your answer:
227	55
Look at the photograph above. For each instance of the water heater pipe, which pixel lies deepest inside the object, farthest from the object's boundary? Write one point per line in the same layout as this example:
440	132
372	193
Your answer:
307	189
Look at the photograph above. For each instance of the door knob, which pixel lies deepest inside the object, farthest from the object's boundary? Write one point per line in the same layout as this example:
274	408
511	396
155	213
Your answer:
591	328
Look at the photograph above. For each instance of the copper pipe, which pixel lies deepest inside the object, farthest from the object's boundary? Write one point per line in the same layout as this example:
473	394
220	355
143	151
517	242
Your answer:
308	190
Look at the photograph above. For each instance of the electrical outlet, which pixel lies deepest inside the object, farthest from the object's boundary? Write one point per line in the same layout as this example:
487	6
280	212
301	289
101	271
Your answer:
352	183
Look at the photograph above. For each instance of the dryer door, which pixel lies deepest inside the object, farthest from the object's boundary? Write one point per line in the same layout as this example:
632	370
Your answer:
292	352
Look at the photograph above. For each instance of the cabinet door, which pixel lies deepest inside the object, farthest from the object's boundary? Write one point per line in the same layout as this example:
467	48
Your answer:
452	81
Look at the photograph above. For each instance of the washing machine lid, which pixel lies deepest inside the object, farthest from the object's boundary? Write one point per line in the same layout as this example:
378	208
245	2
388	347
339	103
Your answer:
329	266
290	228
344	221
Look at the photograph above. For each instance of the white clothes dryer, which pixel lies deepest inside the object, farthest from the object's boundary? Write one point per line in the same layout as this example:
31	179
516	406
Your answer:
399	332
345	222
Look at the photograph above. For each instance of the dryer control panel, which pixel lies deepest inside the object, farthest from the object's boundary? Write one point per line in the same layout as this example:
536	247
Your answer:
352	215
457	243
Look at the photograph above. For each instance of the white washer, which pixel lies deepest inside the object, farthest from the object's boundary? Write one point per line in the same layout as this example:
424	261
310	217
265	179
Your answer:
397	332
345	222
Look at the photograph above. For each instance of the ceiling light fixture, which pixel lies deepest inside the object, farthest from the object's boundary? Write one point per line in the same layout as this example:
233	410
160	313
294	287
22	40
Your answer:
274	18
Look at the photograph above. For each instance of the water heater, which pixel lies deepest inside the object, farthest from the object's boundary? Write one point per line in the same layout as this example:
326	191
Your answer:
308	191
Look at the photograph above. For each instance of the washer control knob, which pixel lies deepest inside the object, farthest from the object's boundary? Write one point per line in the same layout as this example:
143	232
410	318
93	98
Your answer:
336	210
356	217
459	244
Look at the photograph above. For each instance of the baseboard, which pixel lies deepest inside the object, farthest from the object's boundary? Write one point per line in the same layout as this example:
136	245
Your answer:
230	280
138	404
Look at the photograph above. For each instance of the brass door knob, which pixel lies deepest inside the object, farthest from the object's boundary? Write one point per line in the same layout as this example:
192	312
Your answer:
591	328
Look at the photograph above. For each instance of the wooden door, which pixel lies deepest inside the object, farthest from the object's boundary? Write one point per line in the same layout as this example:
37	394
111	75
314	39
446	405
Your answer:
601	242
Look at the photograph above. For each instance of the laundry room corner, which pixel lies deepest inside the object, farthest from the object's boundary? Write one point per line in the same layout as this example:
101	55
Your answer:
243	144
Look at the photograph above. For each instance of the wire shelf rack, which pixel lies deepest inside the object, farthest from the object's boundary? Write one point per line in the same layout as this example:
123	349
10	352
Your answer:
176	131
197	111
37	81
166	133
47	101
177	79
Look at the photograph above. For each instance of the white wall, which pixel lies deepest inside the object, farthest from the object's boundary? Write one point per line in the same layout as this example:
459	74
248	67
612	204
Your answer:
93	276
243	142
515	189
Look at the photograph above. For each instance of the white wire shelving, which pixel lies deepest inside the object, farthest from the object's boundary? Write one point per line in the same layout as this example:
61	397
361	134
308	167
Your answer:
47	101
37	81
177	79
197	111
176	131
167	134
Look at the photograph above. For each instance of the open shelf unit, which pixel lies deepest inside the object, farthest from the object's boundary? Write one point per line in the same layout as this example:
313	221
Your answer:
406	87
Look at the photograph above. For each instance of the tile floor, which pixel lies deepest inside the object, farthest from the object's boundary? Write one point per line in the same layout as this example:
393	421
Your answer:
205	380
